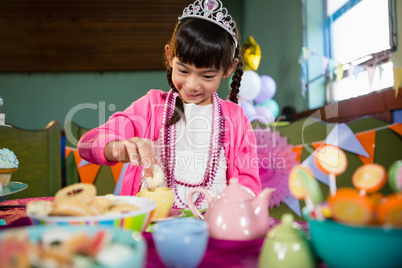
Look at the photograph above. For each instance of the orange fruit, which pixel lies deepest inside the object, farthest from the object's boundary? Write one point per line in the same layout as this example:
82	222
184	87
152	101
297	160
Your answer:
390	211
330	159
349	206
369	177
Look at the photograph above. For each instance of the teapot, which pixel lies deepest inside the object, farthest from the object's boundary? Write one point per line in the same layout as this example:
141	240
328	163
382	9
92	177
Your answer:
235	214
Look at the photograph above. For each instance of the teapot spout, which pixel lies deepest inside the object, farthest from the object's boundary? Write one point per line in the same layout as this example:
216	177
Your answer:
261	203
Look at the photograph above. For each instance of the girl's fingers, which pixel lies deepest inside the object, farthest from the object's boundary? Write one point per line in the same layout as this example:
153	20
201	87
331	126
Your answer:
140	152
115	153
148	164
134	158
147	158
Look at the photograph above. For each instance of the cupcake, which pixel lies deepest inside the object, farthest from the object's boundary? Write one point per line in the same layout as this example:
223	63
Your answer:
8	164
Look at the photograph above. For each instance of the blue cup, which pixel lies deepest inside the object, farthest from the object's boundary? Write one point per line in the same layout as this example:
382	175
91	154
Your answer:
181	242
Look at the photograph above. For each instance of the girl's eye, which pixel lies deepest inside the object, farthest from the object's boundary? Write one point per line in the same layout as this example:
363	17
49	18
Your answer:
208	76
182	71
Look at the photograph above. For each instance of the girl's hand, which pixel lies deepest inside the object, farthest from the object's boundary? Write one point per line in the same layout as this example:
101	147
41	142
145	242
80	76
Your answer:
136	150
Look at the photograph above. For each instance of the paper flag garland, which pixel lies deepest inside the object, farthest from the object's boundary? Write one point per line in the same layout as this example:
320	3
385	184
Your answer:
397	128
367	140
293	204
119	182
87	172
397	80
117	171
343	137
83	163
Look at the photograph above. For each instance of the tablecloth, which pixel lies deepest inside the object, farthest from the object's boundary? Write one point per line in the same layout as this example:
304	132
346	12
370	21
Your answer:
234	254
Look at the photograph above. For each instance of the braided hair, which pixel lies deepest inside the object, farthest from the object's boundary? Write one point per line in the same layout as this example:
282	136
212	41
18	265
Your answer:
203	44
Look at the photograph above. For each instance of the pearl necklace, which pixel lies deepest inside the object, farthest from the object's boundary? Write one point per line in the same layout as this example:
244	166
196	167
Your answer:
168	152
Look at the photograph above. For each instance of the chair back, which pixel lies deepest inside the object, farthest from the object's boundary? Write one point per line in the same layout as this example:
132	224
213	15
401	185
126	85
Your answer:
39	155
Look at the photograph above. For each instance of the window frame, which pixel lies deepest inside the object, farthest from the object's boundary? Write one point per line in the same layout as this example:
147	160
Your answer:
324	78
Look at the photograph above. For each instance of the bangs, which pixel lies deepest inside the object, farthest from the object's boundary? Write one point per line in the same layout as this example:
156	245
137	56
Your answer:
203	44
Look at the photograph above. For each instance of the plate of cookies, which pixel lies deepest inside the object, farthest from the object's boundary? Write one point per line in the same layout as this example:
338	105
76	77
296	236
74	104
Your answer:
78	204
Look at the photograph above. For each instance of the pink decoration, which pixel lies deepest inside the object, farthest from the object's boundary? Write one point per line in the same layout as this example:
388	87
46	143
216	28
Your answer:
276	159
211	4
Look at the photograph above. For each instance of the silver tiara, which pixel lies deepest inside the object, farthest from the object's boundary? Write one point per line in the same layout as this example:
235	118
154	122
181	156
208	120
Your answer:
213	11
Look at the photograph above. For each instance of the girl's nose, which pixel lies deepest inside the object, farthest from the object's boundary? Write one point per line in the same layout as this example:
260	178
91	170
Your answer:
193	84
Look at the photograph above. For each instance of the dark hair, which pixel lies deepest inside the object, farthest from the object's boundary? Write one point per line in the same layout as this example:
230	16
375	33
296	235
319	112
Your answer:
204	44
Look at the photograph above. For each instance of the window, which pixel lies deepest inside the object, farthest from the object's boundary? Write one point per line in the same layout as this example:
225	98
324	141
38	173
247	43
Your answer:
354	40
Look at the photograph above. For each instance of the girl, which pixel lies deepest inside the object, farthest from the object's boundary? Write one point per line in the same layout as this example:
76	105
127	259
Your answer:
197	138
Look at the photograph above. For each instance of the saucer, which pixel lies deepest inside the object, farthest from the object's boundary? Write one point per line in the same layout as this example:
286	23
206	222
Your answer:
174	213
12	188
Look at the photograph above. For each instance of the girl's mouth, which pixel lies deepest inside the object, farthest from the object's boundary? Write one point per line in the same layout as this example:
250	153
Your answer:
191	96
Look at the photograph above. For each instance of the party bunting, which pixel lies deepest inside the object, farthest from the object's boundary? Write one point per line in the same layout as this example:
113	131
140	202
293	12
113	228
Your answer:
339	72
397	80
298	150
116	171
83	163
343	137
87	172
370	72
397	128
367	140
293	204
331	67
67	152
117	189
316	144
317	173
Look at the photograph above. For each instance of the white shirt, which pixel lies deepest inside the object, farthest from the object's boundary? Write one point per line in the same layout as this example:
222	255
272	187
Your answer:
192	151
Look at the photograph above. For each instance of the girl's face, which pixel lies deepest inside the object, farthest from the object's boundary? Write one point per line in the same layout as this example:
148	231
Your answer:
195	85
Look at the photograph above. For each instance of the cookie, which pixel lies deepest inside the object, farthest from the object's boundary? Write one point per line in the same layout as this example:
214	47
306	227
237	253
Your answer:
119	209
82	193
72	209
99	205
157	178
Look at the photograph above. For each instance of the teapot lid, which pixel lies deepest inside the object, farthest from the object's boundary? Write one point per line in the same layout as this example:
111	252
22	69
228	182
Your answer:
287	228
235	192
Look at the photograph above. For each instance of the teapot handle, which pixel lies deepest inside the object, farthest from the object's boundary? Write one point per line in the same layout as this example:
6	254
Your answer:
190	202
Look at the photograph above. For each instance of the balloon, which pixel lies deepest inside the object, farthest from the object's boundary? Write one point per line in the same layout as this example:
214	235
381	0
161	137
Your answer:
268	89
248	108
264	115
250	85
251	54
272	105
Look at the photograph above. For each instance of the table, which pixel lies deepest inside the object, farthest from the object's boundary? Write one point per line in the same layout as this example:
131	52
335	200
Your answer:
219	253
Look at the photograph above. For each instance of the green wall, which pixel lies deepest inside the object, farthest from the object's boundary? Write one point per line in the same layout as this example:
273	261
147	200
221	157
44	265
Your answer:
33	100
276	26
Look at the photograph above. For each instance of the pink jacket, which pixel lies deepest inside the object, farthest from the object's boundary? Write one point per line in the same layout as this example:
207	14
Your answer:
143	118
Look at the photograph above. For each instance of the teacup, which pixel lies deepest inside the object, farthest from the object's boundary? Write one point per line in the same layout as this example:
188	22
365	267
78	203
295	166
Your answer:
181	242
163	197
